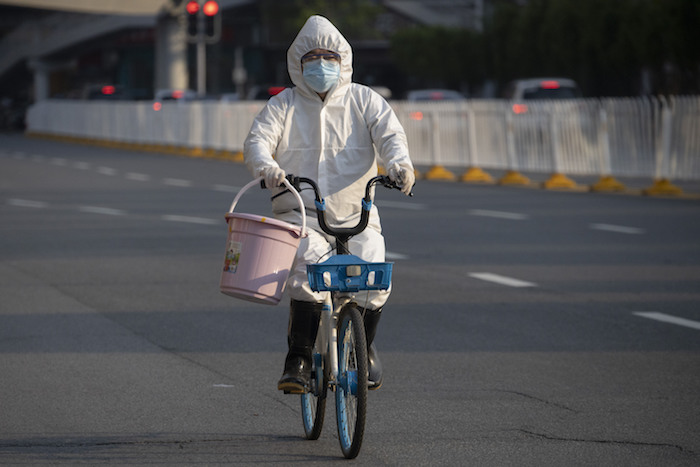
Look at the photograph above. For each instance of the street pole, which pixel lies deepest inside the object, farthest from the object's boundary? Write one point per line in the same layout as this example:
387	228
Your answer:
201	57
201	66
203	27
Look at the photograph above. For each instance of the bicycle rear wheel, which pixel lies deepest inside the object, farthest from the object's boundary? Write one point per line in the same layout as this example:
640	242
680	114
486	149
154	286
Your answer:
351	391
313	402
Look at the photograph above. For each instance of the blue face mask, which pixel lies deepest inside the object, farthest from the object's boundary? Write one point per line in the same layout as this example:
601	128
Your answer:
321	75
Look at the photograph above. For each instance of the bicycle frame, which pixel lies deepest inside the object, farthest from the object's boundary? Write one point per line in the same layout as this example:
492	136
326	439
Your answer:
327	339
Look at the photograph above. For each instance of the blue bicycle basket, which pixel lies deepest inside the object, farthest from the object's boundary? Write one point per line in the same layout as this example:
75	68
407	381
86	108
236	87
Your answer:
348	273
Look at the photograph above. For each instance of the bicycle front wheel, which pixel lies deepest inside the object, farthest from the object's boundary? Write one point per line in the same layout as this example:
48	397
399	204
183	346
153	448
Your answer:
351	390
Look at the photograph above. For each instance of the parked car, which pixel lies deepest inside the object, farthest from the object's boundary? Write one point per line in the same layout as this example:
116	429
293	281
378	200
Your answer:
177	95
546	113
435	116
105	92
540	89
434	95
180	95
264	92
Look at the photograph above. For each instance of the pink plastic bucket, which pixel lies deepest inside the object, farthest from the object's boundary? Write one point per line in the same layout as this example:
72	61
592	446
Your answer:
259	253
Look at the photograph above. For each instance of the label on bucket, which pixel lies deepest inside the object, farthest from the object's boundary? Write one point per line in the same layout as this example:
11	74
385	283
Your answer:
233	254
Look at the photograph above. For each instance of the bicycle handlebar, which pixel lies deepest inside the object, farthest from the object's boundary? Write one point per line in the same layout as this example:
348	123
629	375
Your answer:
342	233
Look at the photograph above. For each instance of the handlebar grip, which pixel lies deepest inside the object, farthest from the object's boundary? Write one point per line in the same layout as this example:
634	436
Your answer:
389	183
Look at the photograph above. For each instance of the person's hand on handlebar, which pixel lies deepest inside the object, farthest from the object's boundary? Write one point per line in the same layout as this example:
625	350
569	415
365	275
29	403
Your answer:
403	177
273	175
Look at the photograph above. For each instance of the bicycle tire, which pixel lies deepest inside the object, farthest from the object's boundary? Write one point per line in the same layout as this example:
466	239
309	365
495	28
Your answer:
313	402
351	390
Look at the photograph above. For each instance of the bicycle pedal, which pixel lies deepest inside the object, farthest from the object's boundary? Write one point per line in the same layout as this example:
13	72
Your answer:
372	386
292	389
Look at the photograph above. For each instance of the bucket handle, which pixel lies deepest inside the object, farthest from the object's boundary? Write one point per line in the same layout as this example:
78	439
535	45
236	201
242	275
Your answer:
288	185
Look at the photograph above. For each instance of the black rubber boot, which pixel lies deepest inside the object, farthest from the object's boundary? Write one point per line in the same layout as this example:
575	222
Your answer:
301	335
375	378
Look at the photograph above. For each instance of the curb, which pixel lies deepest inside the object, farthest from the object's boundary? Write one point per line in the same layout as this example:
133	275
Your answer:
205	153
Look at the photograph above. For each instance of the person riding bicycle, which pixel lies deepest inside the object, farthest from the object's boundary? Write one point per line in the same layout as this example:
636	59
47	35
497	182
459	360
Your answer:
329	129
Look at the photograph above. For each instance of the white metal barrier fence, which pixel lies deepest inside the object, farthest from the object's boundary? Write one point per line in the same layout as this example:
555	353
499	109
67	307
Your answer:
638	137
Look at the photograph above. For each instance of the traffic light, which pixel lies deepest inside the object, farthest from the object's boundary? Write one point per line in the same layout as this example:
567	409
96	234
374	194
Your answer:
212	20
192	10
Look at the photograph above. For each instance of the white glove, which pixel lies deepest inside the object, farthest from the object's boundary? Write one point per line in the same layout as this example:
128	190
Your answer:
403	177
273	175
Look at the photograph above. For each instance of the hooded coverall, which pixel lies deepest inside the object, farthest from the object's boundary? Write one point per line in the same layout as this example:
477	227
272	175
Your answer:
333	141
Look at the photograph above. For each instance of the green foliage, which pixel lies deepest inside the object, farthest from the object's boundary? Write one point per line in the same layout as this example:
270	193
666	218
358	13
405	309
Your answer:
355	19
603	44
452	56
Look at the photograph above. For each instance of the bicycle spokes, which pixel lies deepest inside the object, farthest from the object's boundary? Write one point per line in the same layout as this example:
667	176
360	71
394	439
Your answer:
351	392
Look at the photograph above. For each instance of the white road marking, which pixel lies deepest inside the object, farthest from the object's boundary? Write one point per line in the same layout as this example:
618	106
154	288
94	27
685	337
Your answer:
81	165
107	171
101	210
224	386
401	205
617	228
25	203
137	177
59	161
503	280
177	182
227	188
394	256
37	158
498	214
669	319
191	220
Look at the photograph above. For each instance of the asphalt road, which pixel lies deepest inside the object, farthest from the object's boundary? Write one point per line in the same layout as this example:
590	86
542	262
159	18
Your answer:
526	327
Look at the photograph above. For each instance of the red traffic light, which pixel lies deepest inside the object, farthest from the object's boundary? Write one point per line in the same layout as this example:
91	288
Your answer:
192	7
210	8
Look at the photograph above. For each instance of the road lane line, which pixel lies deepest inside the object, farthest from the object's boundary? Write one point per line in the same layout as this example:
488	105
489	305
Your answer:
617	229
137	177
669	319
25	203
191	220
499	214
394	256
81	165
177	182
101	210
59	161
503	280
227	188
401	205
107	171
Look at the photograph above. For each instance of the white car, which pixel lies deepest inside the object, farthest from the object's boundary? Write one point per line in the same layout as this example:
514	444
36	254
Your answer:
545	113
536	89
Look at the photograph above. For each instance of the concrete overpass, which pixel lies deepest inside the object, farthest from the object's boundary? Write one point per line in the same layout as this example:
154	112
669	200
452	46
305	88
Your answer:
104	7
39	40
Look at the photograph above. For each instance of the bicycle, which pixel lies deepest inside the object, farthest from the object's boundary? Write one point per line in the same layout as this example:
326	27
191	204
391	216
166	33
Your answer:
339	360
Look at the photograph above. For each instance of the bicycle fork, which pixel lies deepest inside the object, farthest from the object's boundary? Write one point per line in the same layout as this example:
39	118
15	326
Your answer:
329	338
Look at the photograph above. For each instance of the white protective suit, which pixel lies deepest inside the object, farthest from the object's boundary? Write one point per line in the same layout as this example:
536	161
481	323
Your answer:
333	142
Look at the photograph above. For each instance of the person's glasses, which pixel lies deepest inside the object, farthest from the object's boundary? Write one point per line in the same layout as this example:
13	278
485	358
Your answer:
332	57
